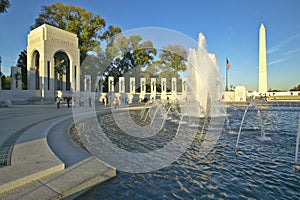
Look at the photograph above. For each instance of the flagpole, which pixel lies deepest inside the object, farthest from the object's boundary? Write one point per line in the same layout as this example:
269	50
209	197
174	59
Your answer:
226	89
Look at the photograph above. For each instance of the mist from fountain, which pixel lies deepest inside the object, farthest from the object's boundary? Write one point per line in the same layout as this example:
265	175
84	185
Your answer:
228	125
203	75
144	110
147	113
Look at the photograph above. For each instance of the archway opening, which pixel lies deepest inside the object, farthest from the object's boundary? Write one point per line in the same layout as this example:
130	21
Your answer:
36	63
62	71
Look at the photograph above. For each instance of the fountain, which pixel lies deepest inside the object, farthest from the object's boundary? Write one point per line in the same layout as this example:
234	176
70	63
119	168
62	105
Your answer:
200	101
203	100
203	75
296	165
262	137
148	113
228	125
144	111
148	162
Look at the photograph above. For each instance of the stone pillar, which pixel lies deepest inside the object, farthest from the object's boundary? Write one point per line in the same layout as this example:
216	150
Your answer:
174	86
87	83
143	86
184	87
153	88
131	89
111	84
16	78
121	84
99	84
132	85
163	88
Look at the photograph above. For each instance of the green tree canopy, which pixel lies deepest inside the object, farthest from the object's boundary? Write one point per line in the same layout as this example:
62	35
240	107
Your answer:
110	33
86	25
4	4
126	57
5	81
174	56
129	55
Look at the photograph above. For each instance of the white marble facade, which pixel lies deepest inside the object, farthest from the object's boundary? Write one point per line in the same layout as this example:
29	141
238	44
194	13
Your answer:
48	47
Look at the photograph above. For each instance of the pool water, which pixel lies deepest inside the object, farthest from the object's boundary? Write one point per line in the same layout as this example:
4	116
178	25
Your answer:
259	169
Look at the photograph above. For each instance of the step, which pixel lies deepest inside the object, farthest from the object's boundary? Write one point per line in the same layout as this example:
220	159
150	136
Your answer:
68	183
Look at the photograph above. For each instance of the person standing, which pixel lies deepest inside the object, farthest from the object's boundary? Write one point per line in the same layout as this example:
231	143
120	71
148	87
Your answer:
73	101
90	101
116	102
57	100
106	100
68	102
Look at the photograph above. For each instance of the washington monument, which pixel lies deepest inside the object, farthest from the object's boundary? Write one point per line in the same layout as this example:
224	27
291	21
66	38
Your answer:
262	73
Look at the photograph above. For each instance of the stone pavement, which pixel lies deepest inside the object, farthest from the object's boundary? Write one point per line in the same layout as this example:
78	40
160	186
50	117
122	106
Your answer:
38	158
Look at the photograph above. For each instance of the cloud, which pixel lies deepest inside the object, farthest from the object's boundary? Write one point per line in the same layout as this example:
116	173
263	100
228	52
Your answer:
273	50
277	61
282	44
290	52
287	56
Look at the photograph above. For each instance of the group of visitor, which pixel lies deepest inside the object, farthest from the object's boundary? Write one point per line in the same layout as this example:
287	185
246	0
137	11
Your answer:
116	101
74	101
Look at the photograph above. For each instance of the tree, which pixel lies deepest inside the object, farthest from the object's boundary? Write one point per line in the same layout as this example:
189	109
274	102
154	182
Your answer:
4	4
129	56
5	80
152	71
109	34
97	63
84	24
22	62
174	56
121	57
296	88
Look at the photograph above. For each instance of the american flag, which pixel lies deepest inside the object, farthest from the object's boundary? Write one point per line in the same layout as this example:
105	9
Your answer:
227	64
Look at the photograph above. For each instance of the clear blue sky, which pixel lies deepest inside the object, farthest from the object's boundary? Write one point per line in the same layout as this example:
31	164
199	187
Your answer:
230	26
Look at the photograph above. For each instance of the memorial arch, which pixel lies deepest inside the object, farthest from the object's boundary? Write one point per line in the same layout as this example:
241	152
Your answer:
53	63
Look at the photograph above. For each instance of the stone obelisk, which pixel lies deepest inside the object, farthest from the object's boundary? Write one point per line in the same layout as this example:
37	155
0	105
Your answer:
262	73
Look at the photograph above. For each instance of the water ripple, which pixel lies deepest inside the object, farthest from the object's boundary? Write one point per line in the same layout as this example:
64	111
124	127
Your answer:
259	170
